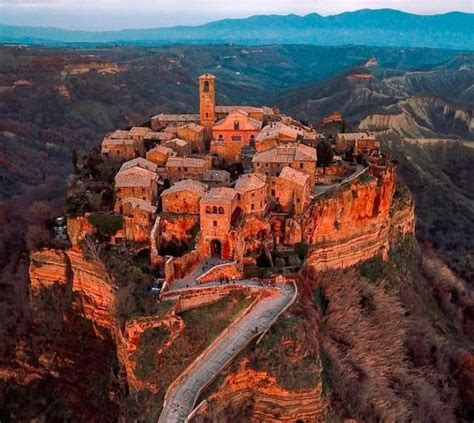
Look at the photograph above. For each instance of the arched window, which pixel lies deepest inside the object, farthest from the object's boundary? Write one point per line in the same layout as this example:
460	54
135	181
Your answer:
206	86
208	209
236	125
221	136
221	210
214	210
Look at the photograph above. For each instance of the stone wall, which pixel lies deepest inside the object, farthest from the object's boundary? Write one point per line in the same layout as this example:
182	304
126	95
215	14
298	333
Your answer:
223	271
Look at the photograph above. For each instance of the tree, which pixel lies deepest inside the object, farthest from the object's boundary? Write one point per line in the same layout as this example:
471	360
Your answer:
74	158
325	153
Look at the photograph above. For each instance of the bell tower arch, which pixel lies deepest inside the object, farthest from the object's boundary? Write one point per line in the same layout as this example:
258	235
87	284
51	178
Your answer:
207	101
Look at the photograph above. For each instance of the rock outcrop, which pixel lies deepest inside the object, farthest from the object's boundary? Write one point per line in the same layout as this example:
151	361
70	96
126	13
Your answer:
260	398
356	222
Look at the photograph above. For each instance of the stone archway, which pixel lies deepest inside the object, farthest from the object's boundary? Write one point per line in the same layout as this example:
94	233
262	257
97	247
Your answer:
216	248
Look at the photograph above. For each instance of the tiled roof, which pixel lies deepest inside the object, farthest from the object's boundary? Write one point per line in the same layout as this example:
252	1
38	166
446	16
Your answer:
159	136
222	195
119	133
161	149
183	117
193	126
177	141
250	182
186	185
139	130
277	129
253	122
185	162
286	154
294	176
107	142
138	203
134	177
139	162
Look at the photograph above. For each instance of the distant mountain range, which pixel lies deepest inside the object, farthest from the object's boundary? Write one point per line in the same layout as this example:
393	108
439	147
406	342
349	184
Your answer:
384	27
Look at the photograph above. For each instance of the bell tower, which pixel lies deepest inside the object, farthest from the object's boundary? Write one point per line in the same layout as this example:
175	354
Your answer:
207	101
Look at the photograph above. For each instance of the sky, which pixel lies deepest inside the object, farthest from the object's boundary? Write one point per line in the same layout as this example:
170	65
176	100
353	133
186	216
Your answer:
115	14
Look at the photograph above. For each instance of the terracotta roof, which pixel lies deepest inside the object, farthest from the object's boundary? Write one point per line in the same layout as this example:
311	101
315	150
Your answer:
162	149
185	162
139	162
186	185
138	203
183	117
277	129
222	195
177	141
193	126
139	130
356	135
294	176
171	130
287	153
117	141
250	182
119	133
134	177
160	136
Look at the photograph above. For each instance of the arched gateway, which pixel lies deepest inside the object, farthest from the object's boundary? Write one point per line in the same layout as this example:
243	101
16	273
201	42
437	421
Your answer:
216	248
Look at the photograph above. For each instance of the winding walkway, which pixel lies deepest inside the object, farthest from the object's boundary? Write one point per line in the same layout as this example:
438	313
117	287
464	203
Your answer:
181	396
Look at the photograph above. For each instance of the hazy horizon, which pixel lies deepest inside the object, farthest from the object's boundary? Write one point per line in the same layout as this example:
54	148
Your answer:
113	15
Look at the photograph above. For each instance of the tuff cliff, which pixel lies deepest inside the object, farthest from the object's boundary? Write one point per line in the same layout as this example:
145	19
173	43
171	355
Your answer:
256	396
357	221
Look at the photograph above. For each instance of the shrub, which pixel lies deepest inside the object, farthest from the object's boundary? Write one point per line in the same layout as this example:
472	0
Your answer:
106	224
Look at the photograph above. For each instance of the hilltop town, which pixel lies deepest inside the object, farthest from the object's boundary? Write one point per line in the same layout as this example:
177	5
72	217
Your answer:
238	179
215	215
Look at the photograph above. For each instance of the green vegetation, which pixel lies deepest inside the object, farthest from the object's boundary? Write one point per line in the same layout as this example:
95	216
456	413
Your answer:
276	354
145	358
106	224
202	326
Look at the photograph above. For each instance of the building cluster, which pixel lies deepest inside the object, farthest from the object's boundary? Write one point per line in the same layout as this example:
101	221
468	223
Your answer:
177	165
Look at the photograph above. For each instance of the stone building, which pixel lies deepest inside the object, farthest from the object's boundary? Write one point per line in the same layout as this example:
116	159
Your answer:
297	156
135	182
179	146
365	141
216	178
138	219
252	193
262	114
179	168
194	134
164	120
183	197
139	162
291	191
219	213
159	155
237	126
277	133
119	146
139	133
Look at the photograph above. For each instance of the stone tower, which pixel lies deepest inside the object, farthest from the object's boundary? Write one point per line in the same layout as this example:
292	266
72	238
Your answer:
207	102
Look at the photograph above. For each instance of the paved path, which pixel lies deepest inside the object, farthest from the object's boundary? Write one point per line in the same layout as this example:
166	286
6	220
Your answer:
190	279
182	396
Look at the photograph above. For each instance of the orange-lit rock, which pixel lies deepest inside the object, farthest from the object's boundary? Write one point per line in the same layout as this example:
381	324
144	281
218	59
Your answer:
263	399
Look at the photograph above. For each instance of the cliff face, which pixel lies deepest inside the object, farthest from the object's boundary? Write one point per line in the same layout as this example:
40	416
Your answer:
357	222
254	396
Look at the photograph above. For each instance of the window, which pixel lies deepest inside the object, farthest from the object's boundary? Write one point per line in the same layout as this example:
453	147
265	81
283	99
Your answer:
215	222
208	209
301	165
206	86
221	210
252	207
273	193
221	136
266	164
214	210
176	196
298	200
253	194
185	169
236	125
238	197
